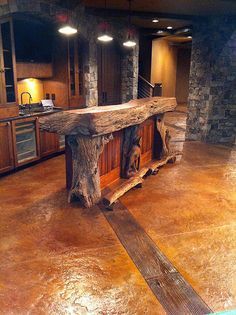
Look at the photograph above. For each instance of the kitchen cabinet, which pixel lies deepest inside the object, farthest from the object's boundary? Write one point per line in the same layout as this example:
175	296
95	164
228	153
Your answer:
33	49
49	143
21	142
75	72
6	147
34	70
33	40
8	95
26	140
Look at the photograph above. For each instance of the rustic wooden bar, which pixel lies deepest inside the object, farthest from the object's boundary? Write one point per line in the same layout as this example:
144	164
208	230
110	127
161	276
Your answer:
88	131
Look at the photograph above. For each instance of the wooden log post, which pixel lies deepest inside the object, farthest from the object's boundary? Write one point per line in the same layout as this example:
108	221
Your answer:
85	171
130	135
164	134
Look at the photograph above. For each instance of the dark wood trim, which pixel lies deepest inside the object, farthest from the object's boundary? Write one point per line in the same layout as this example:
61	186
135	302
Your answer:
168	285
14	62
124	13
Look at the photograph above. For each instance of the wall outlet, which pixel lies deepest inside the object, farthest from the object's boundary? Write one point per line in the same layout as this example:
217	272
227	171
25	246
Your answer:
53	96
47	96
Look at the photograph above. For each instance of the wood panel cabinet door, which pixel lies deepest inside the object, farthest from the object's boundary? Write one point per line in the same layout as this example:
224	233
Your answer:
6	148
49	143
109	74
8	95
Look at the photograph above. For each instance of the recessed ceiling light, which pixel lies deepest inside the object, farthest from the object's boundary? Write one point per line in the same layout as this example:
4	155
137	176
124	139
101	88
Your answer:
189	37
159	32
169	27
155	20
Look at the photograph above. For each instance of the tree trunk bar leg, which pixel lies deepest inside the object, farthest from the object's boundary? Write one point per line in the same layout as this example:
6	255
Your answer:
164	134
85	184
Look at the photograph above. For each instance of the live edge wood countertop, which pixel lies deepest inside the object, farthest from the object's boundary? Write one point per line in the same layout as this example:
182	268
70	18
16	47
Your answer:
101	120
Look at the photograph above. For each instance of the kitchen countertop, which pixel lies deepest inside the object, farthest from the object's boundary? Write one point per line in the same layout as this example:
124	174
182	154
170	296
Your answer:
33	114
101	120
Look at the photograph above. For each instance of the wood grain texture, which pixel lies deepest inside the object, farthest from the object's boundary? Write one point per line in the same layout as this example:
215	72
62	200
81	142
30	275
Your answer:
100	120
111	155
146	131
150	168
49	143
9	111
137	179
168	285
34	70
85	184
6	152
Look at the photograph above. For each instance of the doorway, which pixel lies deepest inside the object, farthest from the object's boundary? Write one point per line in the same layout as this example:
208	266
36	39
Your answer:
109	74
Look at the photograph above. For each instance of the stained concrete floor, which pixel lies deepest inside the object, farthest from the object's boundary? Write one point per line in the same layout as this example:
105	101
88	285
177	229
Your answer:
57	258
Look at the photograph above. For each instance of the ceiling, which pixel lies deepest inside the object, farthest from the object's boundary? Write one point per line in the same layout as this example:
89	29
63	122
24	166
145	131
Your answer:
180	7
175	13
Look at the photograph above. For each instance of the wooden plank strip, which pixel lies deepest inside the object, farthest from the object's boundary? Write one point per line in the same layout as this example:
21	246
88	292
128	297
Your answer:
130	183
168	285
150	168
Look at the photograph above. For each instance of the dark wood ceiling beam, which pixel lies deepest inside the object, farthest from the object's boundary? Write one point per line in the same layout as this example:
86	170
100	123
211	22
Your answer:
148	15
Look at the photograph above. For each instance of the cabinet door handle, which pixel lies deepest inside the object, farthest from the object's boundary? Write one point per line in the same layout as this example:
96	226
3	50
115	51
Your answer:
8	123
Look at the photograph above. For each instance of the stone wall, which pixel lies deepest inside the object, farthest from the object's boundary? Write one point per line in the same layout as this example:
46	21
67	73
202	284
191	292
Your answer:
212	86
129	75
129	60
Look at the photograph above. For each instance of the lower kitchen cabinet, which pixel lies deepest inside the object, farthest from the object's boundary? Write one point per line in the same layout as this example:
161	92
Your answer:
6	148
21	142
25	140
49	143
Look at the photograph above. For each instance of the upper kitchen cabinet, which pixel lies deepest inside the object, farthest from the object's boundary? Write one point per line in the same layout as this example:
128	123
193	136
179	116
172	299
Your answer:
33	45
8	95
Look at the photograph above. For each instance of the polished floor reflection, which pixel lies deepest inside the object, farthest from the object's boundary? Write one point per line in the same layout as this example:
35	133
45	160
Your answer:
61	259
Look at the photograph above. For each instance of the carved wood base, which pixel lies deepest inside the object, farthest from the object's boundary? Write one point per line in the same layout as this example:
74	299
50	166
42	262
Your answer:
85	171
137	179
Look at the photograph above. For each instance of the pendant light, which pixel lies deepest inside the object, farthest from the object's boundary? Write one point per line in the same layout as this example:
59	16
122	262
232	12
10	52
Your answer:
104	34
67	30
130	42
67	27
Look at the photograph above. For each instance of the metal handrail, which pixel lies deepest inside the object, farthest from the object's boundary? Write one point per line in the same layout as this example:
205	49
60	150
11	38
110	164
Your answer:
146	81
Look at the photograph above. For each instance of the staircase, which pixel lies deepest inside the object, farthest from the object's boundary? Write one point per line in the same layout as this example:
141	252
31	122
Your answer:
147	89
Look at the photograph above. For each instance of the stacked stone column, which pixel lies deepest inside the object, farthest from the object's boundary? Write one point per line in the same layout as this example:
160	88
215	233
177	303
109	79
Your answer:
212	86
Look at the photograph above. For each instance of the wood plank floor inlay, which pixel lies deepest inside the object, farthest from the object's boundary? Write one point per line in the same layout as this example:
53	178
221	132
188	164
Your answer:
170	288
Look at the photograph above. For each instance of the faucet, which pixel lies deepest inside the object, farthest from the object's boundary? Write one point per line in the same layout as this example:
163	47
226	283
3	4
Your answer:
30	99
21	97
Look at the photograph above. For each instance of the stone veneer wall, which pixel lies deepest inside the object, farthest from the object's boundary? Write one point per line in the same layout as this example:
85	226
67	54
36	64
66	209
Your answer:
212	86
88	30
129	59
